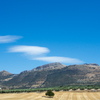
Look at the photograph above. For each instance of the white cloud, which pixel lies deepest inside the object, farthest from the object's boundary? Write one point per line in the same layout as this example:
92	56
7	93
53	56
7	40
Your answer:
30	50
36	53
59	59
9	38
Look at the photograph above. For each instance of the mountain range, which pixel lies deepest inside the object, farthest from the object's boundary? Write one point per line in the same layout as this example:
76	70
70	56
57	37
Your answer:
53	74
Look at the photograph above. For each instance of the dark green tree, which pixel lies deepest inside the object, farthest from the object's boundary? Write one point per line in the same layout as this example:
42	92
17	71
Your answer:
49	93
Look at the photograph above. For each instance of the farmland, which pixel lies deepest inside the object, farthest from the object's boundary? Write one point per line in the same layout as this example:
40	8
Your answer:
61	95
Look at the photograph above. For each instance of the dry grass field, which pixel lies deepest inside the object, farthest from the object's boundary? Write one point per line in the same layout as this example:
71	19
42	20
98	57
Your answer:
58	96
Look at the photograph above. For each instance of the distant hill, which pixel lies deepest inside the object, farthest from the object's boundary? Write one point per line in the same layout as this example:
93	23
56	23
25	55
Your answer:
5	76
55	74
4	73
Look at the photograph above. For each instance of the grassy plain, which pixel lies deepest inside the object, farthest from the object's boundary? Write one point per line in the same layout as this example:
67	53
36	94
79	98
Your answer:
58	96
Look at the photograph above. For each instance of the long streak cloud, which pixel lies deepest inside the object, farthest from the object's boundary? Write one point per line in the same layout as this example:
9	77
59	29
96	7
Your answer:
59	59
36	53
30	50
9	38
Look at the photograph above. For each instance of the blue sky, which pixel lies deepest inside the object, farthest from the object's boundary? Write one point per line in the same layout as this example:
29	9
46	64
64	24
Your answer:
37	32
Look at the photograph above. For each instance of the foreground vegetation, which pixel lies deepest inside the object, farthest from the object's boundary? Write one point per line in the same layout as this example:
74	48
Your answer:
58	88
49	93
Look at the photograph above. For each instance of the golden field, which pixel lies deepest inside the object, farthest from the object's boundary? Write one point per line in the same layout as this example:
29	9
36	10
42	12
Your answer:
58	96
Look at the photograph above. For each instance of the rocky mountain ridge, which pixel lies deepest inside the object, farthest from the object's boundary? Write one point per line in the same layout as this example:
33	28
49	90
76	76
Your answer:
55	74
50	66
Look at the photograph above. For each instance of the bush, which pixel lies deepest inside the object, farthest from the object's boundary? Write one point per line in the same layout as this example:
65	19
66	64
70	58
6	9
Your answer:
96	87
82	88
74	88
66	89
57	89
49	93
89	88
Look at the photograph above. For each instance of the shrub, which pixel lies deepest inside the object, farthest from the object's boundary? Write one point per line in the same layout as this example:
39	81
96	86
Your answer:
57	89
82	88
96	87
66	89
74	88
89	88
49	93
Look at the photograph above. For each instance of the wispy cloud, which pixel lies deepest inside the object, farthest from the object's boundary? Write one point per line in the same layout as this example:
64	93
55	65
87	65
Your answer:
30	50
59	59
36	53
9	38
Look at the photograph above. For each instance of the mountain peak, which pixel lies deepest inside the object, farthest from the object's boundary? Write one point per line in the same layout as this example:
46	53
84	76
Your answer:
50	66
4	73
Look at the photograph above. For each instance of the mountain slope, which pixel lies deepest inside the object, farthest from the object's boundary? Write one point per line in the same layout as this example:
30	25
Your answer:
4	75
33	78
55	74
73	75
